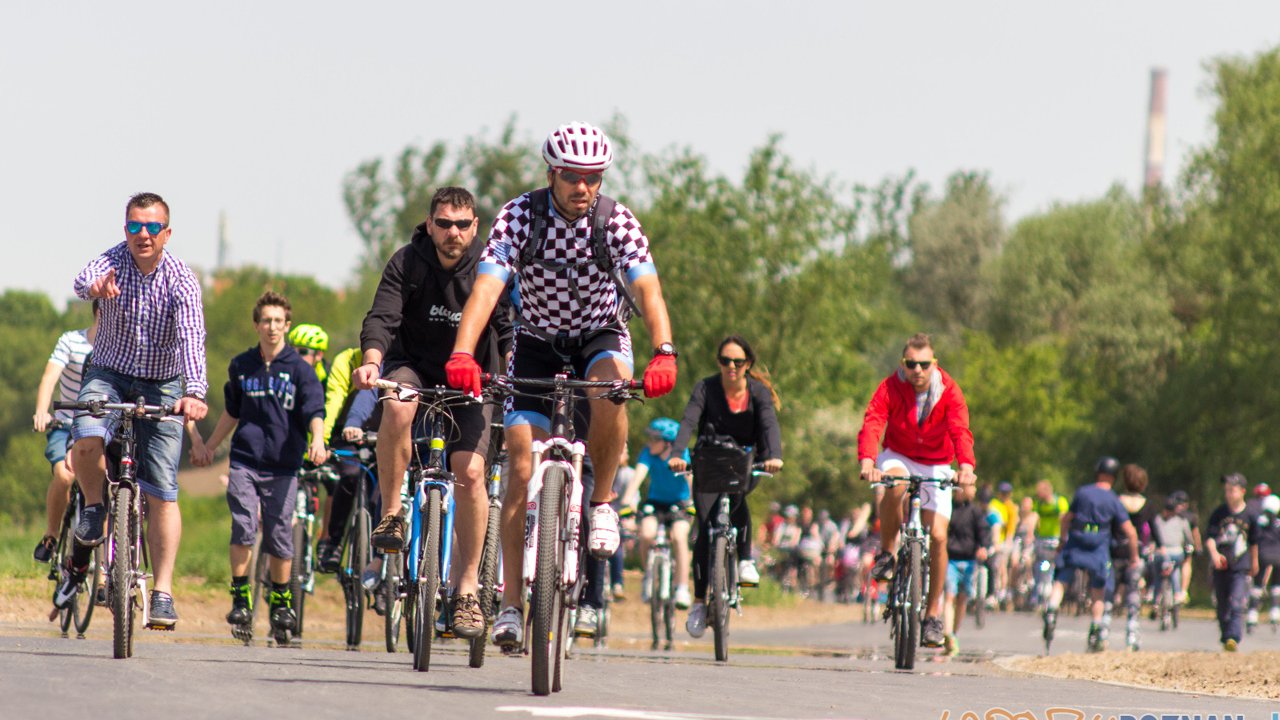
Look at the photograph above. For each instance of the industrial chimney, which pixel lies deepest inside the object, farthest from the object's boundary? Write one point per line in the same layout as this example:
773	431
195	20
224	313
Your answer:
1153	173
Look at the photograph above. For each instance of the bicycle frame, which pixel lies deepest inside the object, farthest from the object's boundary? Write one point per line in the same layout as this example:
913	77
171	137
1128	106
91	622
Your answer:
433	475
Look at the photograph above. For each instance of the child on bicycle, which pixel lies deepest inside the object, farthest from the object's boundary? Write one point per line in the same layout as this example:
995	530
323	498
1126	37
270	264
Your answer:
666	489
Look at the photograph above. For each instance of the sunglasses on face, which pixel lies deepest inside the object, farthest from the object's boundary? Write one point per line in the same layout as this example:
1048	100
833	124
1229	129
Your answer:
913	364
736	362
134	227
305	352
460	224
573	178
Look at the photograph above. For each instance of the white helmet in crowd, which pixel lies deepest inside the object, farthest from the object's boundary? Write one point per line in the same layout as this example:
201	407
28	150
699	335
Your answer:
578	146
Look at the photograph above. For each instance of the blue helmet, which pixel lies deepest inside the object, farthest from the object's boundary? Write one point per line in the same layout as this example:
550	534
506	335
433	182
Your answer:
665	428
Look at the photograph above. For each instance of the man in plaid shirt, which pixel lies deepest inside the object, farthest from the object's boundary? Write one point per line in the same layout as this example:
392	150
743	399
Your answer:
150	343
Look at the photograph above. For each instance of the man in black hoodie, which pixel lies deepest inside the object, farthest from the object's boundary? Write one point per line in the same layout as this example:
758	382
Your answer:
407	337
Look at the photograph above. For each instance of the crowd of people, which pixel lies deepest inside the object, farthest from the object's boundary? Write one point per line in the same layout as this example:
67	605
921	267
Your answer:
562	272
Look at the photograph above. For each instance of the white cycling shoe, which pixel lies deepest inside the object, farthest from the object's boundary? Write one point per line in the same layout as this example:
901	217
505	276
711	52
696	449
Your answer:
747	573
603	542
508	629
683	598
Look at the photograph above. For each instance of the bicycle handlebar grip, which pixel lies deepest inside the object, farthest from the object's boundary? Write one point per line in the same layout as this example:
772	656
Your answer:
386	384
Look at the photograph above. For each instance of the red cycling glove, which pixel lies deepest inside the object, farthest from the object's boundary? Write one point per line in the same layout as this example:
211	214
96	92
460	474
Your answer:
463	373
660	376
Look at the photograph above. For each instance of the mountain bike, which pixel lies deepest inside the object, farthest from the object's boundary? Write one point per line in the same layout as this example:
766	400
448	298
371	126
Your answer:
79	611
356	551
911	575
429	545
553	551
724	469
125	556
660	569
302	580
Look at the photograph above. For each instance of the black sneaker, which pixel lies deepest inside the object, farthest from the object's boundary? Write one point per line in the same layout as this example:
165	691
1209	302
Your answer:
931	634
389	535
68	587
883	568
241	605
162	616
91	529
1096	641
44	549
281	604
1050	623
328	555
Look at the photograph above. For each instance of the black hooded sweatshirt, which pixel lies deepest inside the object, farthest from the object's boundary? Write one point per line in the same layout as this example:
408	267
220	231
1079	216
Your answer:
418	305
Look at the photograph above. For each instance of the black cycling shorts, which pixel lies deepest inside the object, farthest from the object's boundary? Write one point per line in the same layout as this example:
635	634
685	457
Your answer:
535	357
469	431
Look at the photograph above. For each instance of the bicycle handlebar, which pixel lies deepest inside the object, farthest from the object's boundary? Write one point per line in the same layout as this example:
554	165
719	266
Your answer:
508	381
405	392
138	409
888	481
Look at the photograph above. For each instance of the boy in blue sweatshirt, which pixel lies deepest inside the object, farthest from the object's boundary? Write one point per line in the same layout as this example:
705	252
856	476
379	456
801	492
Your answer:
273	399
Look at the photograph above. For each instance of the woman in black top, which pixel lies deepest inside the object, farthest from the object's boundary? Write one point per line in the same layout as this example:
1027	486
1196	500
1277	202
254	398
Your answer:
738	403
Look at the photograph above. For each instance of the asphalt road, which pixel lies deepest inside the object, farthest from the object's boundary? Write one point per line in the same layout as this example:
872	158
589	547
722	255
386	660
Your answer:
833	671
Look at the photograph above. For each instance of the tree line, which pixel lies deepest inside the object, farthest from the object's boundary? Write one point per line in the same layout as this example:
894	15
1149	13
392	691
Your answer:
1133	324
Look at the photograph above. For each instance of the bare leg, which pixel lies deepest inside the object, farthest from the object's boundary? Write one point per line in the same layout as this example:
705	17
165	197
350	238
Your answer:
56	500
393	452
164	525
471	499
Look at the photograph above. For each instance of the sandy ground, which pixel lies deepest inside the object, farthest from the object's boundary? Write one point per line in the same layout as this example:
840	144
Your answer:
1244	674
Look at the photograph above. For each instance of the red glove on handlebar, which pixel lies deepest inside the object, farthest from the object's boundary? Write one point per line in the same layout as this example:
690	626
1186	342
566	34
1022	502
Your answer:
463	373
660	376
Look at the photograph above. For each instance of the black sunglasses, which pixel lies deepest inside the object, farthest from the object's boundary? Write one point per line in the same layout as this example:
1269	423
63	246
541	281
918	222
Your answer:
913	364
736	362
573	178
460	224
134	227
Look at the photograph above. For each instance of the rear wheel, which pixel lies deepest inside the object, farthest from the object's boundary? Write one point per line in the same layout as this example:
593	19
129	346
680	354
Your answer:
908	629
121	577
718	602
428	583
357	561
488	583
298	574
656	605
548	614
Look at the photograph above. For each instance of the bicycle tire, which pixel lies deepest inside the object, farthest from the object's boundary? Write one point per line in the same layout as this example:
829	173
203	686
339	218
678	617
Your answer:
718	606
545	645
393	601
428	582
61	554
909	631
358	560
83	612
488	593
656	620
298	573
121	580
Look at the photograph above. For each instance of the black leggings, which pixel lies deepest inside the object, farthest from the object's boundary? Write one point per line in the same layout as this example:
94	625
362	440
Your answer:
739	515
344	496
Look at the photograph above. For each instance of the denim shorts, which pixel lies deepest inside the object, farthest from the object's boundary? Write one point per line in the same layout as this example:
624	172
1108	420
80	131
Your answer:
159	447
960	576
55	447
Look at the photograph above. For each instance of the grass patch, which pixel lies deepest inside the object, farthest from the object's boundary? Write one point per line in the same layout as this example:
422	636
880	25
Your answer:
206	533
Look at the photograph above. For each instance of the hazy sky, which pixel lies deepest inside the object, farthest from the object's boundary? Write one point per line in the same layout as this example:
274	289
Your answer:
259	109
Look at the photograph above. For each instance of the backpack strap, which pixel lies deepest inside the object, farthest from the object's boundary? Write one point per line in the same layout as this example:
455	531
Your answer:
537	226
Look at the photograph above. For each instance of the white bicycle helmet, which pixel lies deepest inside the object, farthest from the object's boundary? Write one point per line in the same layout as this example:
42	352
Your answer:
578	146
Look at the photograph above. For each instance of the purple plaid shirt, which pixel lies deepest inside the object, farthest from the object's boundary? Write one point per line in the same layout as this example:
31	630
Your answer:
155	329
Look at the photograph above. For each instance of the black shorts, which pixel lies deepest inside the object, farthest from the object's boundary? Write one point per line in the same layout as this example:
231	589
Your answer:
469	431
534	357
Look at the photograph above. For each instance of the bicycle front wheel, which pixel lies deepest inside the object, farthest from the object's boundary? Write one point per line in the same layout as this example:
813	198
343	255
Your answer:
908	618
547	621
61	554
121	575
718	597
428	583
299	573
980	596
488	583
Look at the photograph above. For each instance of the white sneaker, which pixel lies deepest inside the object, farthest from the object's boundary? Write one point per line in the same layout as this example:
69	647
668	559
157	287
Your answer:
1252	617
508	629
747	573
697	622
603	542
682	597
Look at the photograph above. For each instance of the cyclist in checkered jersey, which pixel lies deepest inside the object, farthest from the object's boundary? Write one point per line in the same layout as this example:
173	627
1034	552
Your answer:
572	312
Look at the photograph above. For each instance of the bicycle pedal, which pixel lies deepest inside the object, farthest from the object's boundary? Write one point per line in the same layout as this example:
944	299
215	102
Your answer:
744	584
164	628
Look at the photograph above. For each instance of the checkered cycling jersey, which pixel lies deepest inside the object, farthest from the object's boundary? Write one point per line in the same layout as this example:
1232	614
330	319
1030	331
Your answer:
571	294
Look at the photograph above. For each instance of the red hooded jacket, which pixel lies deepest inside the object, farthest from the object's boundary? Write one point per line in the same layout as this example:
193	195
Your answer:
944	437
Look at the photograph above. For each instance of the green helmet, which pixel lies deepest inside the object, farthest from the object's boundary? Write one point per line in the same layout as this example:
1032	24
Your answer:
309	336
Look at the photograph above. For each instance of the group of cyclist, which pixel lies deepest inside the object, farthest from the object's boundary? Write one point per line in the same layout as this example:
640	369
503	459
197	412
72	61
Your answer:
563	270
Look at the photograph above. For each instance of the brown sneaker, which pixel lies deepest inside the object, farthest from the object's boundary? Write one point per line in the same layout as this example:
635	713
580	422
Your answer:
468	618
389	535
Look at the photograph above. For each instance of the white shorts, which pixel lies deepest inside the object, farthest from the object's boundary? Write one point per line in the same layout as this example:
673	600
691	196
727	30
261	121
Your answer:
931	498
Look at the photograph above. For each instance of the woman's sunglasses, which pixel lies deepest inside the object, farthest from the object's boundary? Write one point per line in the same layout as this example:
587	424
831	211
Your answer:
736	362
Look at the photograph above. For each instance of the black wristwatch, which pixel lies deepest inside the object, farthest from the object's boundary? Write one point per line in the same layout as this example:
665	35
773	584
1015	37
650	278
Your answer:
666	348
